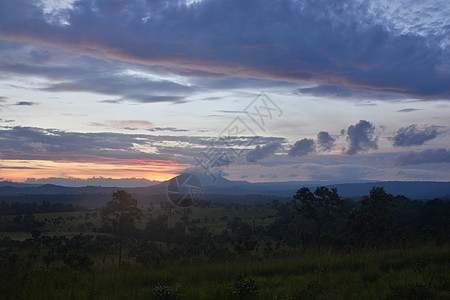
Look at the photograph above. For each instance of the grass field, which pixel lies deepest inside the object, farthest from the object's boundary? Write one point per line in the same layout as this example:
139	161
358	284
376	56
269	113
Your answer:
414	272
392	274
215	218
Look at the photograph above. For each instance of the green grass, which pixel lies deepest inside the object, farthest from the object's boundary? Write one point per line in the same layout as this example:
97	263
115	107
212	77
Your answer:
68	223
18	236
418	273
391	274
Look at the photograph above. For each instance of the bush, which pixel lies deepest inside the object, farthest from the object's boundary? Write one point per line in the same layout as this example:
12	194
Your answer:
166	292
78	261
244	288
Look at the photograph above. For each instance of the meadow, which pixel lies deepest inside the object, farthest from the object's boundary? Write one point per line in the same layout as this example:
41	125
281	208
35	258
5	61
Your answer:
421	273
230	251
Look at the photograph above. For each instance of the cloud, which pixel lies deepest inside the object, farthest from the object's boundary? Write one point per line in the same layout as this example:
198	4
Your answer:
94	181
430	156
302	147
128	87
6	121
230	111
406	110
118	101
272	176
31	143
103	147
141	98
341	92
173	129
125	124
17	168
338	173
262	152
37	146
361	138
25	103
325	141
352	44
414	136
127	82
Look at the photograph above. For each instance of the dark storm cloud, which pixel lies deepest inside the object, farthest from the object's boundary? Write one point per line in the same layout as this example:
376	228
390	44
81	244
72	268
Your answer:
262	152
414	136
302	148
361	137
325	141
430	156
342	42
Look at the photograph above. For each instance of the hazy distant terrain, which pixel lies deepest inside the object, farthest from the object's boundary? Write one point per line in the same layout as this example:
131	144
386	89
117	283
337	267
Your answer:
220	191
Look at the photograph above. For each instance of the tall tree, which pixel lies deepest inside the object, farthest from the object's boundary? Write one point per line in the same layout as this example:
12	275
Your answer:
378	205
358	225
121	213
321	207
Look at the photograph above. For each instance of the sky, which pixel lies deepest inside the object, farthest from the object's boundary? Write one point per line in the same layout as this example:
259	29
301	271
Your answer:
109	91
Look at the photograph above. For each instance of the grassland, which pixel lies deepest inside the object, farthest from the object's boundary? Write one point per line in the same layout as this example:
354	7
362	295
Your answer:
421	273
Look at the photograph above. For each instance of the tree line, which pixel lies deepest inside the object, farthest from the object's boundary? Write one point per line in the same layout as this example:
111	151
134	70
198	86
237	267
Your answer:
314	219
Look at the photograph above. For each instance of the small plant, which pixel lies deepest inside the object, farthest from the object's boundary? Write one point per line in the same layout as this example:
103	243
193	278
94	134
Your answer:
244	288
167	292
79	261
417	291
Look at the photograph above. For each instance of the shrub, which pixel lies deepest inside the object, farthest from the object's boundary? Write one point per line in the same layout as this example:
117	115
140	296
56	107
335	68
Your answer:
244	288
78	261
167	292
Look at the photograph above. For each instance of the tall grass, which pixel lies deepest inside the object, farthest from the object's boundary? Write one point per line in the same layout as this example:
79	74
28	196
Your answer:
421	273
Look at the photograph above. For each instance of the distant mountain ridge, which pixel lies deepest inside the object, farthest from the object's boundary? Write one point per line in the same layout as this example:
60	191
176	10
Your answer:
421	190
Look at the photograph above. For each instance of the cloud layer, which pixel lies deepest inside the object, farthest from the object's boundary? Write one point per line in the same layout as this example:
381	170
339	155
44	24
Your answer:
325	141
302	148
262	152
30	143
358	45
361	137
415	136
429	156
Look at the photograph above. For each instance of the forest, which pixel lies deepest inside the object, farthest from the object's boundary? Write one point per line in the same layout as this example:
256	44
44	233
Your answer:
318	245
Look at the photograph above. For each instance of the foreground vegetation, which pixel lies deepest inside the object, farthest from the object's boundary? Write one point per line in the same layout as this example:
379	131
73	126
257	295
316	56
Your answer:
421	273
318	246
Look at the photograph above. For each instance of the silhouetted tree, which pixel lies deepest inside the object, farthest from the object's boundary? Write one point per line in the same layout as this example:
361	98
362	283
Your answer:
321	207
378	205
121	213
358	225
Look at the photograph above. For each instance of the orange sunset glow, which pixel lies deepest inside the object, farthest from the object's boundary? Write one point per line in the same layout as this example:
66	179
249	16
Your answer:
17	170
